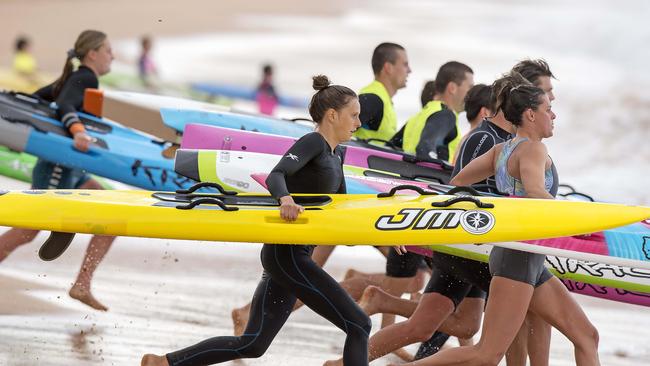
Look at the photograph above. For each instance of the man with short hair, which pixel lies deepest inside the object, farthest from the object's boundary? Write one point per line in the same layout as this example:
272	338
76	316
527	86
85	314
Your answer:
434	132
378	119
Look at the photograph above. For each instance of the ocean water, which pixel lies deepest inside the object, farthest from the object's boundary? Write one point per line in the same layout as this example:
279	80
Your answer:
597	50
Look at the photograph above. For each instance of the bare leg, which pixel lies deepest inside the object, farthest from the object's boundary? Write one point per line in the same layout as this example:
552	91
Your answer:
13	238
97	249
505	312
428	315
154	360
553	302
465	322
375	300
517	353
539	339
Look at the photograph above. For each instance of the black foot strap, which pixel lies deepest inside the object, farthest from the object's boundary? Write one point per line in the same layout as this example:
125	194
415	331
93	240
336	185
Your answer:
55	245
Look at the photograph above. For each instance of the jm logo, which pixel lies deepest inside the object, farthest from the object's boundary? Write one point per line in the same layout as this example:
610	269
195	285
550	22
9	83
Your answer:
475	222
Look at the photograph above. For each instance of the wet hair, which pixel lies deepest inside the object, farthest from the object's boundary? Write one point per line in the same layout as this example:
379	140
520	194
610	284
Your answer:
87	41
477	97
21	43
532	70
428	91
328	96
385	52
452	71
515	94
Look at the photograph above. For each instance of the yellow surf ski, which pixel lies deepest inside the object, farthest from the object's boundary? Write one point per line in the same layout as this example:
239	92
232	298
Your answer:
328	219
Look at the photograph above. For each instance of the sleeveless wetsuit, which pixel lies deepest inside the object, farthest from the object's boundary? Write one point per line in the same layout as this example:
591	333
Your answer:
516	264
49	175
309	166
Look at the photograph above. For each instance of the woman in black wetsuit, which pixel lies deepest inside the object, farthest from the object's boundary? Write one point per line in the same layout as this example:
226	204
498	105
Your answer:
94	52
312	165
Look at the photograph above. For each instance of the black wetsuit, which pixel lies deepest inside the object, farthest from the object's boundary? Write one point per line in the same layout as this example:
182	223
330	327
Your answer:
478	142
49	175
70	99
289	272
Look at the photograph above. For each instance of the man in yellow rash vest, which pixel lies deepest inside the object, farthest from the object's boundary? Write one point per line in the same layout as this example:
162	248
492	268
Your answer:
378	119
434	133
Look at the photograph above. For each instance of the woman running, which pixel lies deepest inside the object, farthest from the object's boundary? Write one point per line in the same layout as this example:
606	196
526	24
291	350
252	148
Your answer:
312	165
93	50
520	282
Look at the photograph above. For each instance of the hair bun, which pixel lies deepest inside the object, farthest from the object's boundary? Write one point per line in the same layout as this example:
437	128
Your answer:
320	82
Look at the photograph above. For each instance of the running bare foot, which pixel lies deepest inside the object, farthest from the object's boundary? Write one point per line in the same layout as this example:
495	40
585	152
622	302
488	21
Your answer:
240	319
370	300
78	292
154	360
351	273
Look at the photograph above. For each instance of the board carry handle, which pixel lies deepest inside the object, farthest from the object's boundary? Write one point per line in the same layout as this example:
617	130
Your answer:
206	200
454	200
206	185
464	189
405	187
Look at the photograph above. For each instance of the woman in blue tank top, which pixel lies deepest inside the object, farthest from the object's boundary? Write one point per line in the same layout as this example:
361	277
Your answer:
520	281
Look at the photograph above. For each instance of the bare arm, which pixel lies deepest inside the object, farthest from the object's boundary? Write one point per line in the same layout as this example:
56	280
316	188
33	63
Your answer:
477	170
532	165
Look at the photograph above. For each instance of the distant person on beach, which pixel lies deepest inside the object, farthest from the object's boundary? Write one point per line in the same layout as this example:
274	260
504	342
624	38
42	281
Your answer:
312	165
93	50
266	97
428	91
433	133
24	62
147	70
390	66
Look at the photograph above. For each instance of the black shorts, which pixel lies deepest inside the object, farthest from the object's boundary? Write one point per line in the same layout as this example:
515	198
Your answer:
519	266
456	277
405	265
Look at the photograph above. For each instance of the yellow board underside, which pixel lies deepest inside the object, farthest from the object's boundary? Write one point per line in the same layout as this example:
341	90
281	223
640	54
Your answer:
348	219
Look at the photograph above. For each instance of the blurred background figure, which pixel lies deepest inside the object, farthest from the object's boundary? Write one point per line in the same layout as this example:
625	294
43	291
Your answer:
24	62
266	97
23	76
428	91
147	69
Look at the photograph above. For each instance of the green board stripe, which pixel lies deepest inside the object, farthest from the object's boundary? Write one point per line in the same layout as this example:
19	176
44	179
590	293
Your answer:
207	166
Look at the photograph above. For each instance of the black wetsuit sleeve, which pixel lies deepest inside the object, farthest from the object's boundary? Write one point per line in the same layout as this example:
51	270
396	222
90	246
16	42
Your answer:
372	111
298	155
439	130
343	188
70	99
476	144
46	93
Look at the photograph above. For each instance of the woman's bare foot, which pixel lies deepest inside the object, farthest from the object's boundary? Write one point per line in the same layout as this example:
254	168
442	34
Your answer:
371	299
79	292
352	273
153	360
240	319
